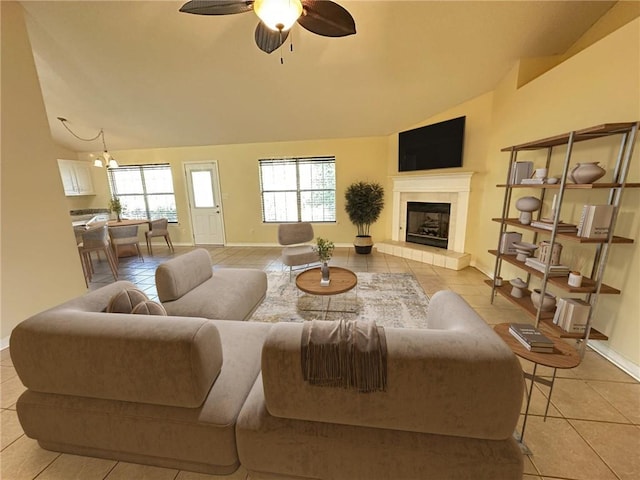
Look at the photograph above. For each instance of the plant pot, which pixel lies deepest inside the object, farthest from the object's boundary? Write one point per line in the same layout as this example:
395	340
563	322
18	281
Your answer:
363	244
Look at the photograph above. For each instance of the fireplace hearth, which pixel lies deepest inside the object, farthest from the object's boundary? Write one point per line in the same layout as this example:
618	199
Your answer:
428	223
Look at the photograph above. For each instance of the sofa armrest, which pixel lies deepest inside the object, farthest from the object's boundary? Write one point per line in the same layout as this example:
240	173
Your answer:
135	358
180	275
445	382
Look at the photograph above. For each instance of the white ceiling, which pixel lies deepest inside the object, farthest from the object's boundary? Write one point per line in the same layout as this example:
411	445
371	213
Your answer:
154	77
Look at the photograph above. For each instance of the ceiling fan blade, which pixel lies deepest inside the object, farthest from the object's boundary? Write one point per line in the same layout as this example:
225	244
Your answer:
220	7
326	18
269	40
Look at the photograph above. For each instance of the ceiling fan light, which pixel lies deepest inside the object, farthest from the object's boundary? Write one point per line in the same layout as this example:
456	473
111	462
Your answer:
278	14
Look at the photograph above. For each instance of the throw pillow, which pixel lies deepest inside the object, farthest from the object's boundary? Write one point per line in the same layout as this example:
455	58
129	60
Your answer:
149	308
125	300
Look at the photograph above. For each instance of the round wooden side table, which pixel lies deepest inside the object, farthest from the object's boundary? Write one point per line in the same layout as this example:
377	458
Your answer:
563	356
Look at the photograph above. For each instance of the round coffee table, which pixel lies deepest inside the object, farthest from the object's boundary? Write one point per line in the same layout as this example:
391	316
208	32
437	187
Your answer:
342	280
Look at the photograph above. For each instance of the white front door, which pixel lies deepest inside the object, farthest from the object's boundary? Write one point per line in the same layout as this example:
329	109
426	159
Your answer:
203	188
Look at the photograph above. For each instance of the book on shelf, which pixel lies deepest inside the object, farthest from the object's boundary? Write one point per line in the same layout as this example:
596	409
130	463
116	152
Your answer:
532	181
595	221
520	171
554	270
548	225
507	240
530	335
572	314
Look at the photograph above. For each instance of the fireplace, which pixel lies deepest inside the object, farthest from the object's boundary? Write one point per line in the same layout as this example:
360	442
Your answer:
428	223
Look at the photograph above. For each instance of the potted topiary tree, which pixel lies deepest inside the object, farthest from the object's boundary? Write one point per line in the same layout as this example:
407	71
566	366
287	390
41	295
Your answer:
364	202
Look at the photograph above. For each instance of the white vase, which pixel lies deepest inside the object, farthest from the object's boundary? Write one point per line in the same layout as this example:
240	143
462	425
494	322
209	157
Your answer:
587	172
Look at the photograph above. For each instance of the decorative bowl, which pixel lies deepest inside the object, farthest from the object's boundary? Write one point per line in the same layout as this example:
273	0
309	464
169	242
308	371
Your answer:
524	250
548	303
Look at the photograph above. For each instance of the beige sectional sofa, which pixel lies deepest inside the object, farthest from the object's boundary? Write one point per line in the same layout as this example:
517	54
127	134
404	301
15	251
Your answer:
208	395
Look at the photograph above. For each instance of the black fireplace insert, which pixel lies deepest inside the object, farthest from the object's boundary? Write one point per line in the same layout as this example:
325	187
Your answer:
428	223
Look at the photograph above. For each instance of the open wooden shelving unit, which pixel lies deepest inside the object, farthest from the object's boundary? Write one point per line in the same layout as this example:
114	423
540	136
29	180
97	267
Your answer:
592	286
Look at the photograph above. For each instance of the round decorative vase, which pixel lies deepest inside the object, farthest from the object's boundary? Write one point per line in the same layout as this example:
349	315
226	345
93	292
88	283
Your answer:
363	244
587	172
548	302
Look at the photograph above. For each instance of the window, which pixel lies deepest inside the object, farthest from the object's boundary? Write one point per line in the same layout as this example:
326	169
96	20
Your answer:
298	189
145	191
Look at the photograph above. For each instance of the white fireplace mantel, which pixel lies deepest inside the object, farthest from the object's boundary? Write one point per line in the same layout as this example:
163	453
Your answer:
450	188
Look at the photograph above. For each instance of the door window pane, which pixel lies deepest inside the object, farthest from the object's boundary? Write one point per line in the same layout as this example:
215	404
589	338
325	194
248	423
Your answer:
202	189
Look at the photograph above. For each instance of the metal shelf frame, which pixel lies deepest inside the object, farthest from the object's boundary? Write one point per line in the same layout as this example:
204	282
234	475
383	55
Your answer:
628	133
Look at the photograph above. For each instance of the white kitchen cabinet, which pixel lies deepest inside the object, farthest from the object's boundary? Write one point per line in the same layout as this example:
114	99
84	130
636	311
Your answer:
76	177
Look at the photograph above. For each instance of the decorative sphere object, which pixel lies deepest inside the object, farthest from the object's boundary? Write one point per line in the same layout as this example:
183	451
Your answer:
587	172
548	302
526	205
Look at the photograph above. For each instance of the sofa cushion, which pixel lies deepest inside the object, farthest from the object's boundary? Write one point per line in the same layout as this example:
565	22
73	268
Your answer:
182	274
431	375
295	449
125	300
230	294
199	439
76	349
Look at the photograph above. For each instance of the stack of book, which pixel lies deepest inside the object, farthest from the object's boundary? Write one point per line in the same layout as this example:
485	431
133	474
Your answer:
532	339
532	181
554	270
547	224
572	314
595	221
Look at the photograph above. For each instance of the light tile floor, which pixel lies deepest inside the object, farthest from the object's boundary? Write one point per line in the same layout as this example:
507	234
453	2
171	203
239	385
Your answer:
592	431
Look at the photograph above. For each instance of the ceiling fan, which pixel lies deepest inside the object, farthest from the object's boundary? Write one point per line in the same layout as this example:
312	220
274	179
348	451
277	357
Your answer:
321	17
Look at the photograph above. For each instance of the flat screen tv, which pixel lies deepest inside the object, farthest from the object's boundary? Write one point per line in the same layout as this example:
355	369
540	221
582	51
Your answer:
434	146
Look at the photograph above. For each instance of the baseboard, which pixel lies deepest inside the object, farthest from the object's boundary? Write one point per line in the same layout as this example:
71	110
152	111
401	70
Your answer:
614	357
4	343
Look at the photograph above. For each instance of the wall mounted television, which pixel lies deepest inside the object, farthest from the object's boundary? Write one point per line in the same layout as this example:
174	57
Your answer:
435	146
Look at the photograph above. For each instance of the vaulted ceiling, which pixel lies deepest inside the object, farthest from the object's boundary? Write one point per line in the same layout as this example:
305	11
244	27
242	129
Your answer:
154	77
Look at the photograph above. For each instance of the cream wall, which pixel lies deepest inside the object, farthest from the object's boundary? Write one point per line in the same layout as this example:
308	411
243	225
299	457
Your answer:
356	159
597	85
40	263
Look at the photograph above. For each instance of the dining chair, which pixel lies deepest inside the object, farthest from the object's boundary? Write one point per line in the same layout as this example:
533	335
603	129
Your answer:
158	228
126	236
96	240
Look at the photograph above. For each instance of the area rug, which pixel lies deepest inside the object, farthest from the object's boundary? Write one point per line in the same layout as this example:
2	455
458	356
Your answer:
390	299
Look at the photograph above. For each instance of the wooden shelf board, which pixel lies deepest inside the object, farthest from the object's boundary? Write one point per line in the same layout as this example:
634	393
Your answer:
603	130
546	318
569	236
588	285
573	186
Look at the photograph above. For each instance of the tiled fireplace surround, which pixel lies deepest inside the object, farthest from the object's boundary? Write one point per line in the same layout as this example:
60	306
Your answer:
450	188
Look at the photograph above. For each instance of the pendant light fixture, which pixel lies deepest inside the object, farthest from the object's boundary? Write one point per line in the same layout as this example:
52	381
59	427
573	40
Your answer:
109	161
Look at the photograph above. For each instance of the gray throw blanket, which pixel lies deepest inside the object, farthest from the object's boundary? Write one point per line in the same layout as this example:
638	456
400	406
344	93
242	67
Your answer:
347	354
